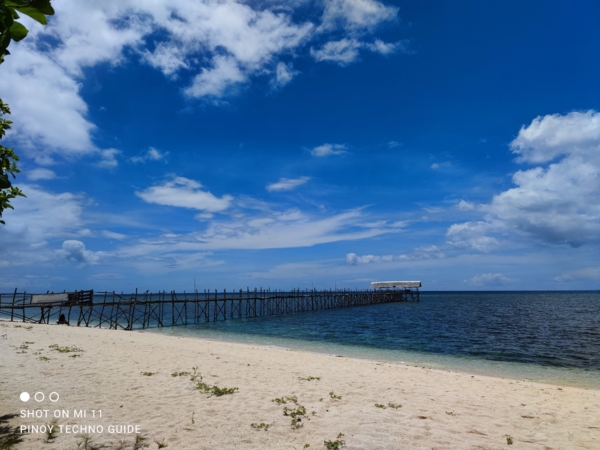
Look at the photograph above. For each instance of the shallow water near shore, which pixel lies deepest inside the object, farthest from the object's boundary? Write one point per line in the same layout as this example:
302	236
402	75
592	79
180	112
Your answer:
551	337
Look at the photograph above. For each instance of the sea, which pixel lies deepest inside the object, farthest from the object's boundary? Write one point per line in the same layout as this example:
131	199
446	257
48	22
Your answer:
551	337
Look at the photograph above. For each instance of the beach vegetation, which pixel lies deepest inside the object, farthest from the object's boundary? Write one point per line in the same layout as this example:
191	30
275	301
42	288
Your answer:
335	445
306	445
284	400
179	374
44	358
296	414
148	374
260	426
140	442
51	430
211	390
379	405
65	349
76	355
87	443
450	413
509	439
309	378
9	437
335	397
394	405
161	443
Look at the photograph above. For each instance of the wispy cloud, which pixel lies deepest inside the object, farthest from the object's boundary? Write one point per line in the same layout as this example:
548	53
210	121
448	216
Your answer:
490	279
328	150
426	252
287	184
40	173
151	154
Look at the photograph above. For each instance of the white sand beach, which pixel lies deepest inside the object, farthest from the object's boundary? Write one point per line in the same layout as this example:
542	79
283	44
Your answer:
126	379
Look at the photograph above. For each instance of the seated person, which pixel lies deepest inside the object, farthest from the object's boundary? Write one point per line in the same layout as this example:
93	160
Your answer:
62	320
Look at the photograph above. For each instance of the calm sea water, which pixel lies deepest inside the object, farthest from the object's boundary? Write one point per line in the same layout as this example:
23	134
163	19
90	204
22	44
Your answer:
543	336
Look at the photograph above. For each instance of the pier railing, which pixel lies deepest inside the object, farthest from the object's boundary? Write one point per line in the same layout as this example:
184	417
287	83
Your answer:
140	311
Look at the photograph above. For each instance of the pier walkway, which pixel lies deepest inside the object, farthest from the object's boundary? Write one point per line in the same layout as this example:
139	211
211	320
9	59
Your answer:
140	311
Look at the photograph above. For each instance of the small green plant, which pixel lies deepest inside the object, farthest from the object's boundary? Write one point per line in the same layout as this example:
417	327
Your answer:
9	440
309	378
450	413
296	415
379	405
140	442
394	405
284	400
44	358
321	399
335	397
60	349
260	426
29	343
24	347
337	444
146	374
87	443
161	443
211	390
306	445
51	430
179	374
509	439
74	356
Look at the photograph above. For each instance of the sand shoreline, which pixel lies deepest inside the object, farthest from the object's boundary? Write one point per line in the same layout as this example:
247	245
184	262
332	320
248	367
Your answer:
129	378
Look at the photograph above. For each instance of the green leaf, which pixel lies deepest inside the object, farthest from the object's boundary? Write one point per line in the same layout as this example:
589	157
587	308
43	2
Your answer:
18	31
34	14
43	6
16	3
4	182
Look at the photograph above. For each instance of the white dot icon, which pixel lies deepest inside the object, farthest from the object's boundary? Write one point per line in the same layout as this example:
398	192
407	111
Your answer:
24	396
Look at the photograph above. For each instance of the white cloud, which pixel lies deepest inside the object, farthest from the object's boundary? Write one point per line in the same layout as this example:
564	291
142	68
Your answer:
420	253
221	44
113	235
490	279
284	73
287	184
386	48
551	136
184	193
393	144
328	150
108	158
342	52
472	235
587	273
39	173
356	14
463	205
558	203
75	251
151	154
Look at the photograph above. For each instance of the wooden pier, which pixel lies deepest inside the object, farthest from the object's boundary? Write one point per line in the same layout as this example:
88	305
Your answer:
140	311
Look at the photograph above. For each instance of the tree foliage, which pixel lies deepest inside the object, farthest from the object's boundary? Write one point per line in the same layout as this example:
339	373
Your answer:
12	30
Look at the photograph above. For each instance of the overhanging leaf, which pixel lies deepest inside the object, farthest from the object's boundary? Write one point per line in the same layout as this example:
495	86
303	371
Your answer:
18	31
43	6
4	182
34	14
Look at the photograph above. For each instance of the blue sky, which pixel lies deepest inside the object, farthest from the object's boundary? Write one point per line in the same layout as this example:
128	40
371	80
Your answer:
305	143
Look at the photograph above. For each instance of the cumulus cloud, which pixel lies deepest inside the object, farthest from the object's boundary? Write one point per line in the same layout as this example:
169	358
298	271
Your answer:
151	154
287	184
557	203
75	251
420	253
184	193
490	279
463	205
328	150
218	46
